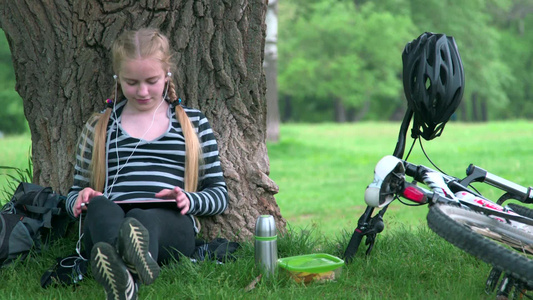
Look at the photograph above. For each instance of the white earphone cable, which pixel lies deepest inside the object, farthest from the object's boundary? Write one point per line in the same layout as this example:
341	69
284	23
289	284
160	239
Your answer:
119	168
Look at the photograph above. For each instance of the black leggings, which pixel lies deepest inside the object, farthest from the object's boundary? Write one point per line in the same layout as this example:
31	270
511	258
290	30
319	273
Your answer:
170	231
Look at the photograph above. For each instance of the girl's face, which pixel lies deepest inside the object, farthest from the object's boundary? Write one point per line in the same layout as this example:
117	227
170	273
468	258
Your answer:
143	82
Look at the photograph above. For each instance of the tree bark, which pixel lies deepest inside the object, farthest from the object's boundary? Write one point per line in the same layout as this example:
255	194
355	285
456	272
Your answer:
61	58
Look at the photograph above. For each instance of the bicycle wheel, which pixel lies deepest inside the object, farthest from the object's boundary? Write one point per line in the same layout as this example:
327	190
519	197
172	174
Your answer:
521	210
486	238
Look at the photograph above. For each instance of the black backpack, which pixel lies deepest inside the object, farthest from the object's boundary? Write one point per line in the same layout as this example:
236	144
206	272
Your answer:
34	216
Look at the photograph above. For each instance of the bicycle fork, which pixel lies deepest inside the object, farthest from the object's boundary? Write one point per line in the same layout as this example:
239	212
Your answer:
366	226
370	226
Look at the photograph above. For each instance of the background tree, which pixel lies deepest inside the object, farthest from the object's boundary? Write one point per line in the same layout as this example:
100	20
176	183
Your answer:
12	119
341	60
271	71
478	43
514	20
60	52
347	57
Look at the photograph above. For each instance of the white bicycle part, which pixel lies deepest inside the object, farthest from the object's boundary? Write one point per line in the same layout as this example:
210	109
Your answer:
379	193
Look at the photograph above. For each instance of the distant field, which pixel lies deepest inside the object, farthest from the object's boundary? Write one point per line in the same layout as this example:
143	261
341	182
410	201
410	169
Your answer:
322	170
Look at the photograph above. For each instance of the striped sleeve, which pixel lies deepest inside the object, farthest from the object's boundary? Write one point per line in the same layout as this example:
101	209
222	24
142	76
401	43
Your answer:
212	196
81	168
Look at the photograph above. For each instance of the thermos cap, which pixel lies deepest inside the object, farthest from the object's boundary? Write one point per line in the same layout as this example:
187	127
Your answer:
265	227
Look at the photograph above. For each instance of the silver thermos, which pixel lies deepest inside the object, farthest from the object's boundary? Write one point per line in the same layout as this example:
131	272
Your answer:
266	244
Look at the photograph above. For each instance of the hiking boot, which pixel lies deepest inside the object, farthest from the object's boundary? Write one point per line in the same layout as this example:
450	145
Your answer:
109	270
133	244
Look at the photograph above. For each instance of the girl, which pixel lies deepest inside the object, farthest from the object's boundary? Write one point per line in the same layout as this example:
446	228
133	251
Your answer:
144	168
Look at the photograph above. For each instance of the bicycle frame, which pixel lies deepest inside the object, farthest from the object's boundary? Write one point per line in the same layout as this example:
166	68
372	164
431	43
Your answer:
445	190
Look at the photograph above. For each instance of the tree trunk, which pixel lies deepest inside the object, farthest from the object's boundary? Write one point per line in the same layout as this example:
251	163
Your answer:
340	111
271	71
484	110
475	114
462	111
62	64
287	108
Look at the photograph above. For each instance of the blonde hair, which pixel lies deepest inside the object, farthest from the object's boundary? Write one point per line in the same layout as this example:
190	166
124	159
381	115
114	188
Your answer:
145	43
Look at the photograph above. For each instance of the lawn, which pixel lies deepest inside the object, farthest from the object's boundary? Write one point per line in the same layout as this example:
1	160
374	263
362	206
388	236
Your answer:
322	171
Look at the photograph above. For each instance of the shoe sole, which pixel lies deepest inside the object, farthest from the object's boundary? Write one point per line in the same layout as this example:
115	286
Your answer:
133	243
109	270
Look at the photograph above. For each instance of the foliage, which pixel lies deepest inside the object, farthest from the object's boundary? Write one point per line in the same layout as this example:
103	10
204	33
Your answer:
349	52
12	120
326	55
478	43
516	54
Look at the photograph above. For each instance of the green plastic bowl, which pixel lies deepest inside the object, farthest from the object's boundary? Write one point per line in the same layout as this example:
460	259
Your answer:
311	263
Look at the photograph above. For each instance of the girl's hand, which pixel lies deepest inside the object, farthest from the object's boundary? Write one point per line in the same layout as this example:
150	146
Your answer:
84	197
177	194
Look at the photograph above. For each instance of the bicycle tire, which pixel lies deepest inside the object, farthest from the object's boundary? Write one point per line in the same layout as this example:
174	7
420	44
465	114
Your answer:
458	226
521	210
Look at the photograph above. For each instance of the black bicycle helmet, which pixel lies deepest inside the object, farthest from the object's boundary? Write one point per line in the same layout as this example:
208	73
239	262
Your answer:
433	82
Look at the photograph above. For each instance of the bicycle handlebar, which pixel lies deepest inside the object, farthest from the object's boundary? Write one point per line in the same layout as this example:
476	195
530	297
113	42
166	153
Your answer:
476	173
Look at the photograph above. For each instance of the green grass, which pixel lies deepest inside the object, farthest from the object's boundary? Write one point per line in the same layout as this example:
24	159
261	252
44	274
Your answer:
15	153
405	264
322	171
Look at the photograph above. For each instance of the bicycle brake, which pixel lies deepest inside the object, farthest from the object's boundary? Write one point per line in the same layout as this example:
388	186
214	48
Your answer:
376	226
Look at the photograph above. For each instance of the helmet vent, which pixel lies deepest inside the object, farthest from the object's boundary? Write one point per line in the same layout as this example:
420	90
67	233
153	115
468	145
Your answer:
443	75
443	55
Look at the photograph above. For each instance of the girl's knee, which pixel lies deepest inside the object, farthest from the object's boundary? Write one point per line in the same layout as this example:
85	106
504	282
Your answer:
136	213
99	201
101	207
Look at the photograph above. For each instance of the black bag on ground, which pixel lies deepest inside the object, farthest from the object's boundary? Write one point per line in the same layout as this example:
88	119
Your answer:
66	271
33	216
219	249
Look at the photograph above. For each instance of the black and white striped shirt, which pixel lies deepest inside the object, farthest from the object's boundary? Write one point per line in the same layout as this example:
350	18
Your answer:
147	167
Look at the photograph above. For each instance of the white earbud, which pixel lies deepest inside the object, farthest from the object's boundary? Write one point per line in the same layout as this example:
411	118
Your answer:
115	77
169	74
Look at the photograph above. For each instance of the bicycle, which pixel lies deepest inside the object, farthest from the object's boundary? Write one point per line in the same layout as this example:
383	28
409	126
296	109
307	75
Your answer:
458	213
433	81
